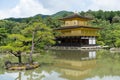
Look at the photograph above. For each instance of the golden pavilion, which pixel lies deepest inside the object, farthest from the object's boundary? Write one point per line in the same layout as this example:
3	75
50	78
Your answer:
76	31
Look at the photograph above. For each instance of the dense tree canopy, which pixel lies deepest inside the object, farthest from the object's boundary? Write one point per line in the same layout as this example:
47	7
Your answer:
25	37
109	21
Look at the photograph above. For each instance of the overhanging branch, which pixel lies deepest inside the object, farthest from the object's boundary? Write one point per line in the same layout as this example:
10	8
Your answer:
11	52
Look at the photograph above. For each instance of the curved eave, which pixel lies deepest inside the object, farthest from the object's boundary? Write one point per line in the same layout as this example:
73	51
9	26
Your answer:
73	27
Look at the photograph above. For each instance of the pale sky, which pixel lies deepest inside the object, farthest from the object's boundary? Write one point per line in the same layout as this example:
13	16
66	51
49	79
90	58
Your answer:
27	8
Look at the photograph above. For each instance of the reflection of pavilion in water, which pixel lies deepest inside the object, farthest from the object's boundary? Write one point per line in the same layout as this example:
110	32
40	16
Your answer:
31	75
75	63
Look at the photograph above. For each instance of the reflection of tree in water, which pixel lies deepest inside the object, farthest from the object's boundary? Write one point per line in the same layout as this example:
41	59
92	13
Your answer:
73	65
109	63
43	73
19	76
30	75
2	70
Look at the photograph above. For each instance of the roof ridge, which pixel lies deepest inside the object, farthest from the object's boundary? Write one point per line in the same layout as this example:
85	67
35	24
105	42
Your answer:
75	15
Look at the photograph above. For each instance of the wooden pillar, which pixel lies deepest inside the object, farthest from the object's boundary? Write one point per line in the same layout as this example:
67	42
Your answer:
80	42
70	41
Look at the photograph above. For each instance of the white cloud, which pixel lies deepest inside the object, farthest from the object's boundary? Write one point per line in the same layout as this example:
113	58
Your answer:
58	5
25	8
105	5
80	5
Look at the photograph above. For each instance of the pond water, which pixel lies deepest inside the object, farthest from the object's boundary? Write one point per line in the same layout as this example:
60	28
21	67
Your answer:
71	65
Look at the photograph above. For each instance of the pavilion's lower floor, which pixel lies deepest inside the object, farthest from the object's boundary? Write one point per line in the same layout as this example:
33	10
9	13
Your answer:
77	41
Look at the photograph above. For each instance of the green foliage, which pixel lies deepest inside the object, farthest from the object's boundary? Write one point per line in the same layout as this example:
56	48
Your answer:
104	15
116	19
107	20
61	14
117	43
53	23
16	44
19	36
109	34
100	43
3	35
43	34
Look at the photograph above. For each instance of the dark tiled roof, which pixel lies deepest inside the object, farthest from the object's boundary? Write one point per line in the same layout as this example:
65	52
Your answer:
73	27
75	15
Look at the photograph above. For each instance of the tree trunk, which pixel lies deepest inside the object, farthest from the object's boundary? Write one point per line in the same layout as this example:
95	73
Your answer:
113	42
32	48
20	75
19	57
